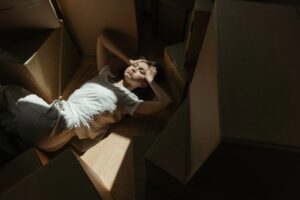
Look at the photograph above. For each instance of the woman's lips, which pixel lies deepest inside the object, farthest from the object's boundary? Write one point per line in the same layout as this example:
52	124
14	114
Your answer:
130	73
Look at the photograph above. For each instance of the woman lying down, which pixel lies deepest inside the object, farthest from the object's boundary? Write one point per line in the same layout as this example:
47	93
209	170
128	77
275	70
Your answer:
90	110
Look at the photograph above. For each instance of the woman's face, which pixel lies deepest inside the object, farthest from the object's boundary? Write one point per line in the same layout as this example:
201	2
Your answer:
135	74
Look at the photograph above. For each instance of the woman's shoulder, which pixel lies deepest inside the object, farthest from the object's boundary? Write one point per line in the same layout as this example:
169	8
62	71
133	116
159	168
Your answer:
105	70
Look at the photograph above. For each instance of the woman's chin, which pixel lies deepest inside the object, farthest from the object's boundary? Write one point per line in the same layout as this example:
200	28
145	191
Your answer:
127	76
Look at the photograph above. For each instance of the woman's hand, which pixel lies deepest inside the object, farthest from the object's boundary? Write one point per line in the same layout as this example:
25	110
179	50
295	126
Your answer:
150	74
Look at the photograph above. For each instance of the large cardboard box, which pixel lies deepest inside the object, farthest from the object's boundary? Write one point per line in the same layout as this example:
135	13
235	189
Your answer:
245	88
64	177
193	132
21	167
86	20
258	65
43	63
175	71
171	19
196	32
22	18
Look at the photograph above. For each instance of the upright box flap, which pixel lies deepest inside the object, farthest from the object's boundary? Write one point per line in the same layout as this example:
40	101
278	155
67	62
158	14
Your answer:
193	133
86	20
43	64
62	178
22	18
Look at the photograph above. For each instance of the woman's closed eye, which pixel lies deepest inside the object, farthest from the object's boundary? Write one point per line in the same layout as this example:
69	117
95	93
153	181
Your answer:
142	71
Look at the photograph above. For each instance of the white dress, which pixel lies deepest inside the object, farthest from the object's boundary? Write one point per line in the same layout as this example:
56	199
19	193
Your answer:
86	114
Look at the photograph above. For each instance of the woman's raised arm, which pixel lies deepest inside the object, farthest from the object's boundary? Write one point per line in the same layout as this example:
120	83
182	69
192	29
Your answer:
108	42
162	98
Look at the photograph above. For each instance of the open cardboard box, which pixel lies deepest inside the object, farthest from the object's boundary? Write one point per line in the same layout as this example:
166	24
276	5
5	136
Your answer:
19	168
245	88
64	177
85	21
44	63
193	132
32	36
258	65
23	18
36	51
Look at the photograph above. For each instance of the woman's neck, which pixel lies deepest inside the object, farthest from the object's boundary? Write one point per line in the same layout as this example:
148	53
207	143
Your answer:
125	84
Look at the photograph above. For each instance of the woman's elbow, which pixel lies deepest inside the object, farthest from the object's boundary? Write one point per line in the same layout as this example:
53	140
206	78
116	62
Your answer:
166	103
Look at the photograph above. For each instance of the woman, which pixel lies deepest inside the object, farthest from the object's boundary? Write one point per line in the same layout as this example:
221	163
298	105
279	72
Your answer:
90	110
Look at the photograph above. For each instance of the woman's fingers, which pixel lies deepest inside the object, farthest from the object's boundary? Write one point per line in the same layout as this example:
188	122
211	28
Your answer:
153	68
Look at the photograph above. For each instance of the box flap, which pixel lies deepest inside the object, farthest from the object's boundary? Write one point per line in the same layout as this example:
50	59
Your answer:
22	18
62	178
86	19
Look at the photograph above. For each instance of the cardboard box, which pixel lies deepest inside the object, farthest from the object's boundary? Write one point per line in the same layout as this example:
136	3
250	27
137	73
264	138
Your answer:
44	64
258	62
21	167
86	20
8	148
178	74
245	87
64	177
171	19
197	30
193	132
21	18
175	71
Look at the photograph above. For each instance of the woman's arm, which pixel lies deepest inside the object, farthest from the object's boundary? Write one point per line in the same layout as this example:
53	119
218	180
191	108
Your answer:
162	98
108	42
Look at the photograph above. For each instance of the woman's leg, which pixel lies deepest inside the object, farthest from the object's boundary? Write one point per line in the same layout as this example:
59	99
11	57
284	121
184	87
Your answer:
9	95
25	113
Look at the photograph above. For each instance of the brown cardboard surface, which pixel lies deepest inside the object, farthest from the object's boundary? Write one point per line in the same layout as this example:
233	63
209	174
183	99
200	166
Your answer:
63	178
204	105
197	30
86	19
110	160
21	18
259	48
35	61
8	148
180	5
43	64
170	151
193	132
14	73
97	182
175	71
70	60
171	23
19	168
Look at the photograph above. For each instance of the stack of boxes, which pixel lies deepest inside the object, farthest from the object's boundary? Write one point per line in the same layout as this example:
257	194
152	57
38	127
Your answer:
245	91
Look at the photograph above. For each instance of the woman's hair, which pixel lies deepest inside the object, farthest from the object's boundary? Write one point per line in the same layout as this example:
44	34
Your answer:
147	61
158	66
